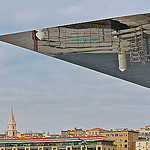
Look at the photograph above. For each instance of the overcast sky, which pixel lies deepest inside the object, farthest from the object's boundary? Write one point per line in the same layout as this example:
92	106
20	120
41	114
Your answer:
48	94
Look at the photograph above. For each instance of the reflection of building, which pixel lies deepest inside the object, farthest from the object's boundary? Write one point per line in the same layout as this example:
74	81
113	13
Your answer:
95	131
142	144
75	132
124	139
144	132
61	143
11	126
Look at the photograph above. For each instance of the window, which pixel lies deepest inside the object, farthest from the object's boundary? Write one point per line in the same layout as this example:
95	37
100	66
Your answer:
139	144
139	134
107	135
116	134
120	134
120	145
125	146
125	134
99	142
111	135
125	140
120	140
99	148
71	143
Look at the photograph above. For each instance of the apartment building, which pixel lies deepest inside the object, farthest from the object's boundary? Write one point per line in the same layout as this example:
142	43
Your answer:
36	135
95	131
143	144
144	132
2	136
124	139
75	132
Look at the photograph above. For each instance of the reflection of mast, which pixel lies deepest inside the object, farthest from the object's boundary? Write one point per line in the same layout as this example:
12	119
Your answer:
122	61
121	57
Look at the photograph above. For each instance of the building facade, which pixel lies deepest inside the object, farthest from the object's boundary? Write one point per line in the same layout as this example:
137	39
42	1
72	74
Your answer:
75	132
2	136
95	131
144	132
36	135
61	143
124	139
143	144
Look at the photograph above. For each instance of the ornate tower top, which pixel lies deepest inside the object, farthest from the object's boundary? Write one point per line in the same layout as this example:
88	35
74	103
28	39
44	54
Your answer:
11	118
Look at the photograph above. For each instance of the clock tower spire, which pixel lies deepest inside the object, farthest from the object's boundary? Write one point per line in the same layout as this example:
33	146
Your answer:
11	126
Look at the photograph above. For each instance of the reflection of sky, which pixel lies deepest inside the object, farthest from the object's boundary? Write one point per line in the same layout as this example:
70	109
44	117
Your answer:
49	94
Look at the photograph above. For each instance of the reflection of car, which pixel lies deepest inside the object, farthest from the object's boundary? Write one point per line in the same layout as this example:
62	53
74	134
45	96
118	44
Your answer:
101	45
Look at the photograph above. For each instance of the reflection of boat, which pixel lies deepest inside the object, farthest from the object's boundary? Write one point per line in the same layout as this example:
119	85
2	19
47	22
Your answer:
124	38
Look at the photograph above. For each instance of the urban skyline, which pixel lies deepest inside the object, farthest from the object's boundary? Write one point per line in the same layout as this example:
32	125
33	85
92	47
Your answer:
121	139
49	94
11	127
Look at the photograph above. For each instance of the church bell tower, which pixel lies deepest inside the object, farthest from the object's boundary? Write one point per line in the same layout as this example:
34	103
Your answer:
11	126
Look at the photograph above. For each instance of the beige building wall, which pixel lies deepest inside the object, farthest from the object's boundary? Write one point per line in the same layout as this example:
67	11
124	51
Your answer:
2	148
123	139
75	132
95	131
143	145
144	132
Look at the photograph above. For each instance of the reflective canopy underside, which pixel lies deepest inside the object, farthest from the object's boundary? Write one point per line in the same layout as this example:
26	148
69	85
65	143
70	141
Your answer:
96	45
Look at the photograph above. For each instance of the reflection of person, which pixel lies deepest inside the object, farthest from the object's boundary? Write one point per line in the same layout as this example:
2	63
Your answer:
35	39
40	34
